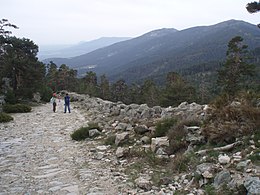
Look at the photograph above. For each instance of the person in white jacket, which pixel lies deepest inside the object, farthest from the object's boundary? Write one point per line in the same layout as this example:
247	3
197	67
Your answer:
53	101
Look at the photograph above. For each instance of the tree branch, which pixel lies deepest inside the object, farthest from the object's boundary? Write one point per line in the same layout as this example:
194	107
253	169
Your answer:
223	148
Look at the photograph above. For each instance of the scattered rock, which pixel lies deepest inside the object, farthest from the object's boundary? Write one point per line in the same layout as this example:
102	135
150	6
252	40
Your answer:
143	183
223	159
252	185
121	152
94	132
159	142
141	129
222	178
121	138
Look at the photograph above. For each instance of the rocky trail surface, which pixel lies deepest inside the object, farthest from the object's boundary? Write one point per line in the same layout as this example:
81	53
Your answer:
38	156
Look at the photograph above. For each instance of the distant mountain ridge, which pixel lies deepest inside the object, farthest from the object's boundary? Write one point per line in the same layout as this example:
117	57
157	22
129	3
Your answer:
158	52
78	49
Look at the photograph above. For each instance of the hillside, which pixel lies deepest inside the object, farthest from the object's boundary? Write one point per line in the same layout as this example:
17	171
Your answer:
158	52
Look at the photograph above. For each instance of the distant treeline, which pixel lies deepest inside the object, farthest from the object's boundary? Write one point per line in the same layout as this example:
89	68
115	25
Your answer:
22	74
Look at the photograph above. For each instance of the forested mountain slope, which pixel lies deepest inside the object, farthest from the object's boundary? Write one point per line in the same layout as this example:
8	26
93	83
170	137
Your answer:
158	52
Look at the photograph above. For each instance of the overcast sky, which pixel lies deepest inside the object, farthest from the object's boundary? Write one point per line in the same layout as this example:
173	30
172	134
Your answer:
71	21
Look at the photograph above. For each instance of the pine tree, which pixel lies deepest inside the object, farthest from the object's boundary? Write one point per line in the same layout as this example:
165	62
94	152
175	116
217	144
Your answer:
22	66
177	90
253	7
234	73
104	89
150	93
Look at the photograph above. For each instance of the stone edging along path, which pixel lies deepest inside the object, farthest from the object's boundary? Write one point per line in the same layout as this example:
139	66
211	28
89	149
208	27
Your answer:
38	156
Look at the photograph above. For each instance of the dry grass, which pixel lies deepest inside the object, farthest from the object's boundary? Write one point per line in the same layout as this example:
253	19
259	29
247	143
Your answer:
225	124
177	140
183	163
177	135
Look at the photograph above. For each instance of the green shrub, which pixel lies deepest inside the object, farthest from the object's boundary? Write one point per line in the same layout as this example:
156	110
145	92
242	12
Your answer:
163	126
5	117
255	157
16	108
180	163
10	97
177	135
221	101
46	93
210	189
80	134
83	132
256	138
193	122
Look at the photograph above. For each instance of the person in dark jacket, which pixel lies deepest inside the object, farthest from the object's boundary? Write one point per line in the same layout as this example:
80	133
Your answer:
67	103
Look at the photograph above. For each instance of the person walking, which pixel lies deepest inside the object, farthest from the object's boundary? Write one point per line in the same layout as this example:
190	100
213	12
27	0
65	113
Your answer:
67	103
53	101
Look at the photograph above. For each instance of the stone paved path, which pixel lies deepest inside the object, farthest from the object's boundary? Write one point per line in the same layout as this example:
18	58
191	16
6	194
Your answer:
37	156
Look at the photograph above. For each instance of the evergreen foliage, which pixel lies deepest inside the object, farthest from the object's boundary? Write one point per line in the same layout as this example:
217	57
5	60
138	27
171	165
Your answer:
253	7
10	97
177	90
18	63
150	93
46	93
90	83
234	74
163	126
83	132
5	117
16	108
119	91
21	65
104	88
62	78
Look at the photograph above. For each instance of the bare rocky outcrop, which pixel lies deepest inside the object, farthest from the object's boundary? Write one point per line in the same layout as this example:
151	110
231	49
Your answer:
140	120
53	163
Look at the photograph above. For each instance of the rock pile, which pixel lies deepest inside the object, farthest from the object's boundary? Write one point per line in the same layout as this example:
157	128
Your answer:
234	170
38	156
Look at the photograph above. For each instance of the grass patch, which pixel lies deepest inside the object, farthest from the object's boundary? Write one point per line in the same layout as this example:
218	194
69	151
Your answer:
83	132
255	157
257	138
133	171
176	135
5	117
183	163
142	162
163	126
210	189
16	108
